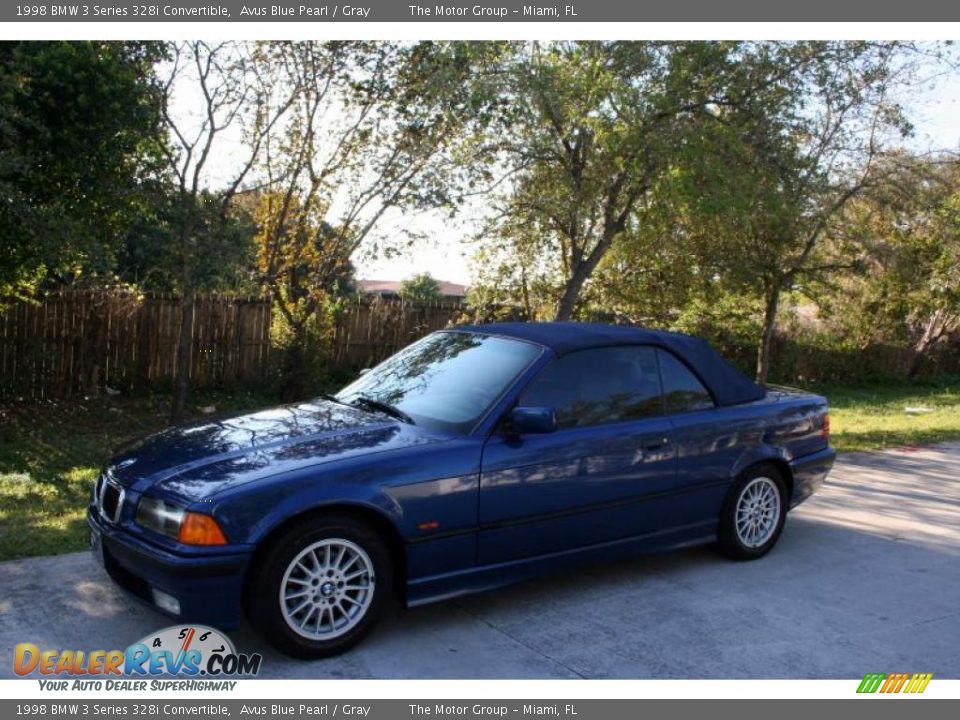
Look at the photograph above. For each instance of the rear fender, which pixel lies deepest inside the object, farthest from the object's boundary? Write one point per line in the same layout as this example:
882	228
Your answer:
763	453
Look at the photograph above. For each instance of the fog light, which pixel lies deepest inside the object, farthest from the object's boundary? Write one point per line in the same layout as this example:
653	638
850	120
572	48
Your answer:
166	602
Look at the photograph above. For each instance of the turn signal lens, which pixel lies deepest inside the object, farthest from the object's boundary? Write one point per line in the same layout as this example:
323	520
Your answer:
199	529
825	428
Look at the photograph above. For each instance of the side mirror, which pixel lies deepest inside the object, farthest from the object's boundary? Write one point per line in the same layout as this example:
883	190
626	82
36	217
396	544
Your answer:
532	420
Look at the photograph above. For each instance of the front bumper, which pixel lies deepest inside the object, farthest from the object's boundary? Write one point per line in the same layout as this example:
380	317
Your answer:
208	587
809	473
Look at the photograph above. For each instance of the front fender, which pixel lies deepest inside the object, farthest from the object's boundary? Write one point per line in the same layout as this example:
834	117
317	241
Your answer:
418	492
251	516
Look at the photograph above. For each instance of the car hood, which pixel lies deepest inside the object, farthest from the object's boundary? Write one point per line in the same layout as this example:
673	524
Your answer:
193	462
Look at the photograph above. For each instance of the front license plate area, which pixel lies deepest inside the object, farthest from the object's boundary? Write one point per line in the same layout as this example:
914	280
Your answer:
96	547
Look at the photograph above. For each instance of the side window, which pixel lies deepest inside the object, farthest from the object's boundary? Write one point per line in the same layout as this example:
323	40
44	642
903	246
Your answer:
594	387
682	391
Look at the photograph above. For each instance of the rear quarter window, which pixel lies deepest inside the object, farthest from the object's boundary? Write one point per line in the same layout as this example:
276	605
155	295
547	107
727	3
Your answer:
682	391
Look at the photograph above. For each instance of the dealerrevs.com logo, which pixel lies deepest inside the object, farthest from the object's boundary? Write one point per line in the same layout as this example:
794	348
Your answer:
189	651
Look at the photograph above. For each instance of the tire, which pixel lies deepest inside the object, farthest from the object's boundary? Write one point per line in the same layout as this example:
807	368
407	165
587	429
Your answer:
337	570
759	497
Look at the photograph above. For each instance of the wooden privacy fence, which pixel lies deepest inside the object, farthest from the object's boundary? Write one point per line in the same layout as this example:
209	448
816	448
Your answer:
368	331
79	341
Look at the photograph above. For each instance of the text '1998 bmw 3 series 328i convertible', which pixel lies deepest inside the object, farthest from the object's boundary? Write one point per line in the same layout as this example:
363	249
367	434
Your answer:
474	458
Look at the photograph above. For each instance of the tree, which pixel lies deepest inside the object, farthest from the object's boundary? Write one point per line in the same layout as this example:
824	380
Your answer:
306	281
231	96
513	280
371	129
79	132
222	257
653	275
798	141
908	229
935	316
752	151
420	288
595	124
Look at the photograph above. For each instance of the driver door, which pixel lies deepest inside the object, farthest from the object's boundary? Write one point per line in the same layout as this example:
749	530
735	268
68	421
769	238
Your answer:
585	483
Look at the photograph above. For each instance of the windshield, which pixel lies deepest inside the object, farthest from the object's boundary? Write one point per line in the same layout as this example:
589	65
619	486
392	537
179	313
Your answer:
447	380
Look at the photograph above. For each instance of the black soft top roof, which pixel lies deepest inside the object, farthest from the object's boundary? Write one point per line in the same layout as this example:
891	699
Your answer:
727	384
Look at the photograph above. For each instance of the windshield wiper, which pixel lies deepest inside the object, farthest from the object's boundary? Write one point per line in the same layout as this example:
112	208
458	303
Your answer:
332	398
383	407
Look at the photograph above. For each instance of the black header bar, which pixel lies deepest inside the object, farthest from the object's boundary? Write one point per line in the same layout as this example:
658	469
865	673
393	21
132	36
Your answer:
496	11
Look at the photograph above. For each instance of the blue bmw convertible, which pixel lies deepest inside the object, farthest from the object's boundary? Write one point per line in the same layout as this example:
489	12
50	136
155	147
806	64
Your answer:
474	458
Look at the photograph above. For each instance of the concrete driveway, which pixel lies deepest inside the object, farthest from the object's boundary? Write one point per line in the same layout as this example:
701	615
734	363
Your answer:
866	578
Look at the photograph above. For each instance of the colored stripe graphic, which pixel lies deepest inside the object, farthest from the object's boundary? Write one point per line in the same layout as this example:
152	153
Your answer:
871	682
894	683
918	683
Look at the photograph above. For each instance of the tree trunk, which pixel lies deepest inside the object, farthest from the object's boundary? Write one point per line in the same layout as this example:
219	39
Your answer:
772	301
571	292
527	307
181	383
294	370
583	268
938	325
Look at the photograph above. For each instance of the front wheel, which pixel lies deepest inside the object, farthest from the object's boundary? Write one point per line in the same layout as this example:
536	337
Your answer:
753	514
320	587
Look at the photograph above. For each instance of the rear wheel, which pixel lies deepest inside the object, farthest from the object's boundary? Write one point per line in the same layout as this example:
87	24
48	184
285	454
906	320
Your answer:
320	587
753	514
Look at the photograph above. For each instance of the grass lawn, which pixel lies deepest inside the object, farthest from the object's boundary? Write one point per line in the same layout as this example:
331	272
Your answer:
874	417
51	452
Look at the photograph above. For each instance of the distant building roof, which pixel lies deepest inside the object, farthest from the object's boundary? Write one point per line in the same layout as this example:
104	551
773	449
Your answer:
392	287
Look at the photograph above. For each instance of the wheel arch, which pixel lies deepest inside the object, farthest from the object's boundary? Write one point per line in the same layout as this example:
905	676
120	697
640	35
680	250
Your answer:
757	466
373	517
768	456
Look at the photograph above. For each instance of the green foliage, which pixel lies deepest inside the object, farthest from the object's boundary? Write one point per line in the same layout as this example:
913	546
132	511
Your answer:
220	254
593	126
760	193
908	291
302	262
657	182
79	131
730	321
711	187
420	288
302	353
370	128
513	280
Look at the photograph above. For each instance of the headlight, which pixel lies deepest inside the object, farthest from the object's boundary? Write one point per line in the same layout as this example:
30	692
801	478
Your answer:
159	516
190	528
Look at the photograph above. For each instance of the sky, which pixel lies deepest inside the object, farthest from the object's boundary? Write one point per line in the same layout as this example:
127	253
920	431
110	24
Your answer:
935	112
445	251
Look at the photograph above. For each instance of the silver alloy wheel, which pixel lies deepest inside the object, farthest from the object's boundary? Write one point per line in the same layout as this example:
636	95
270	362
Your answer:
758	512
327	589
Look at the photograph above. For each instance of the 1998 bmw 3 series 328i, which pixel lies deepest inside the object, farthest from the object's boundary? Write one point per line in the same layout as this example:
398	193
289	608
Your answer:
476	457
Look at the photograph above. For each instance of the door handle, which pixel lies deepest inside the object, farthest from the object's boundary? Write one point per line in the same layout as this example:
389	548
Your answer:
655	445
